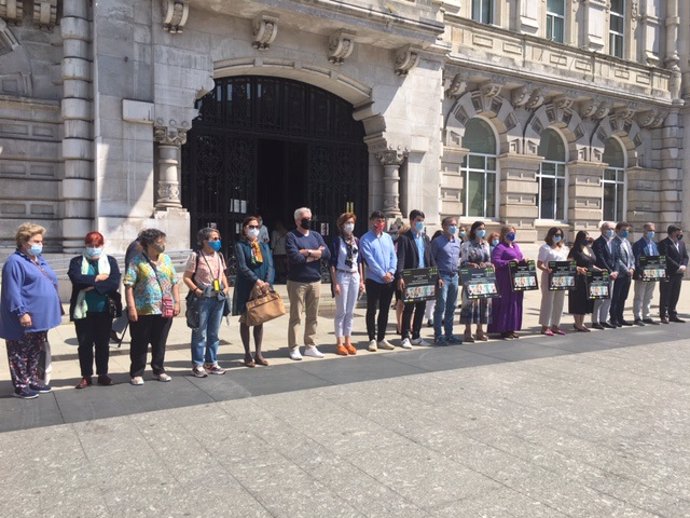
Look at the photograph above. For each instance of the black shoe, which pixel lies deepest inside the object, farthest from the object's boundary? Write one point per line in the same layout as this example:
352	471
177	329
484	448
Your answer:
624	323
639	322
677	320
610	325
597	326
650	322
429	323
663	320
40	387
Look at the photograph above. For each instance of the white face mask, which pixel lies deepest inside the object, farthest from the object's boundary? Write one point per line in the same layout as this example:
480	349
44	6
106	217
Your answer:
348	228
253	233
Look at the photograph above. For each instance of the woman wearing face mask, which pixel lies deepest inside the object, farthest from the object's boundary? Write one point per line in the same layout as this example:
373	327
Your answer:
474	253
579	303
95	279
506	311
255	275
551	308
204	275
347	281
29	307
493	240
153	298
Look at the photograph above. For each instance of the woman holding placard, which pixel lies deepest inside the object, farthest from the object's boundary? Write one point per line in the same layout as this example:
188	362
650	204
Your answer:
579	302
552	301
474	253
506	310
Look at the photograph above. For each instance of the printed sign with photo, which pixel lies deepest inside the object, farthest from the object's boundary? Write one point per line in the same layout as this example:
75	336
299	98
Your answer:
523	275
653	267
562	276
598	285
420	284
479	283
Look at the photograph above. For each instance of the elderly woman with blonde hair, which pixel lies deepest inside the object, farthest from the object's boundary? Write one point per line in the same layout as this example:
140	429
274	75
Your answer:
507	309
29	307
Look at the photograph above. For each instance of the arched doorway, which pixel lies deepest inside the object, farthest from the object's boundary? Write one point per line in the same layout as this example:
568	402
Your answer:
269	145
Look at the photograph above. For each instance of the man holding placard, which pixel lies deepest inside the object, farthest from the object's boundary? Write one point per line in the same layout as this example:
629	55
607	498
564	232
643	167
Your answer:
625	266
676	255
646	251
606	262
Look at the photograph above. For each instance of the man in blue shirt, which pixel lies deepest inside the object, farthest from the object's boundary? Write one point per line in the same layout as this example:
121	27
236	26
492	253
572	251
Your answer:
445	251
381	263
305	248
644	290
414	251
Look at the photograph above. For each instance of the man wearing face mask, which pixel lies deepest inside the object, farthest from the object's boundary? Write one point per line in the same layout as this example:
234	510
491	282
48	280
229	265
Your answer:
644	290
95	278
445	251
676	254
414	251
625	266
305	248
381	261
602	248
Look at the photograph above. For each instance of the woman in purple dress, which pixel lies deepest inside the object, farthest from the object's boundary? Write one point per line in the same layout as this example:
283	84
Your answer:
507	310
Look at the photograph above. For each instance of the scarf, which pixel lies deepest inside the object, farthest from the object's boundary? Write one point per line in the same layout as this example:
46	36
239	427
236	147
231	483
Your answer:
257	256
351	252
80	307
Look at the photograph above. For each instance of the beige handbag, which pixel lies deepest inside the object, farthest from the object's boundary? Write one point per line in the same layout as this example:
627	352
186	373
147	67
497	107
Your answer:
264	308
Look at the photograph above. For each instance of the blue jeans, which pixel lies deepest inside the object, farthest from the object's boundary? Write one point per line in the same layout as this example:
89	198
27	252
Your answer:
446	299
205	339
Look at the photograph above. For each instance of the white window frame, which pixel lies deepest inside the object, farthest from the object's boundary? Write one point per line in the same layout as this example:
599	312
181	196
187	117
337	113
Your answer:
617	38
553	17
621	179
487	173
564	178
491	15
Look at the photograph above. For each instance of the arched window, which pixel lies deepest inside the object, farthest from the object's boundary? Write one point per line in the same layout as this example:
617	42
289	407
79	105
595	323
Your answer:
551	177
479	170
614	181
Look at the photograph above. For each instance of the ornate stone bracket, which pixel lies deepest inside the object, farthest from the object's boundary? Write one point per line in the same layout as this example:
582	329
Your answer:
45	13
458	86
340	46
391	160
524	97
490	90
12	10
264	30
651	118
169	138
175	15
406	58
563	102
8	42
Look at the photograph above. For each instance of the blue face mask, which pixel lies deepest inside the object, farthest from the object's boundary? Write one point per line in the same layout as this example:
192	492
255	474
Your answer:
216	245
651	234
452	230
481	233
419	226
494	242
557	239
623	234
510	236
609	233
93	252
36	250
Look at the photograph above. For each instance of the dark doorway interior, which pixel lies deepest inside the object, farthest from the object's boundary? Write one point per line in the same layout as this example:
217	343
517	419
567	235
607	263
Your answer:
281	182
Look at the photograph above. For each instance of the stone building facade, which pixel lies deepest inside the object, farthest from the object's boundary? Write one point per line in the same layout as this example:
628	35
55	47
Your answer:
122	114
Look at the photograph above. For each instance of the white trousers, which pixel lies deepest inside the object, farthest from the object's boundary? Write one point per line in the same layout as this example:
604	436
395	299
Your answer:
551	308
642	299
345	302
600	313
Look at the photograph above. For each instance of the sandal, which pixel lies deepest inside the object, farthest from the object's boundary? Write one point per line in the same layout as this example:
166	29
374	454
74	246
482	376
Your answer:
259	360
467	338
481	336
249	361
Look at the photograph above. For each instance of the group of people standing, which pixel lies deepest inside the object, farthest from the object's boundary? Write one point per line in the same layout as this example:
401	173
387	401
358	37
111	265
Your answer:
373	264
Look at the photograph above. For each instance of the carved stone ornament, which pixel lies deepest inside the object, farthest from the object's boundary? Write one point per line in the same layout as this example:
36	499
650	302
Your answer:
169	135
175	15
392	156
458	86
12	10
536	99
563	102
651	118
490	90
626	113
340	46
264	30
8	42
45	13
406	58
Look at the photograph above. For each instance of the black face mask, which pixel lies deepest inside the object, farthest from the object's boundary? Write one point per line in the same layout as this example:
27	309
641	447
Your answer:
305	223
680	236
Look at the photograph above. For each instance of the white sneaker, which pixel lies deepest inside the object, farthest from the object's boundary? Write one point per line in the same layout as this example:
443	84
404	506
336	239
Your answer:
406	344
372	346
385	345
295	354
313	352
420	341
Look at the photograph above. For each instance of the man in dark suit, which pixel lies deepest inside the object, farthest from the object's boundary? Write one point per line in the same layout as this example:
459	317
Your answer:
676	254
414	251
622	252
604	260
644	289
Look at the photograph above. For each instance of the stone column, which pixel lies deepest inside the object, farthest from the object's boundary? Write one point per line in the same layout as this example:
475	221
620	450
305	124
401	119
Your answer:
391	160
518	191
77	144
585	196
169	141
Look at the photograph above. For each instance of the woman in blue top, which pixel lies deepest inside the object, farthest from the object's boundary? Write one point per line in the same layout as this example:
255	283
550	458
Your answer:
255	273
29	307
347	279
95	278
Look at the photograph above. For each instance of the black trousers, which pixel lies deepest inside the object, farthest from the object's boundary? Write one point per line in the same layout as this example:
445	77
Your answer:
94	331
621	288
418	309
669	295
148	329
378	297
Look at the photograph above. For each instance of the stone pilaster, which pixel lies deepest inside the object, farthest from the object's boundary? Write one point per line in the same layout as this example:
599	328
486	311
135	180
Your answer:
671	174
585	196
452	181
77	114
643	197
518	190
391	160
169	140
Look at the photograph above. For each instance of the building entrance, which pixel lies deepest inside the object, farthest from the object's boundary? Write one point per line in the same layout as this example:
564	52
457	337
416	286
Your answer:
268	145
